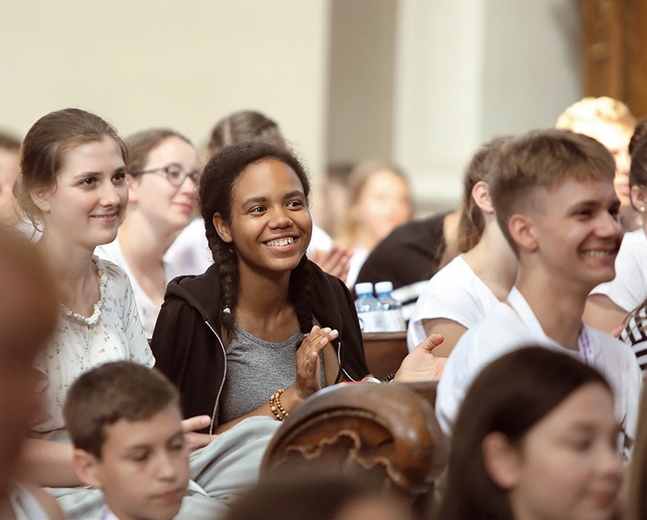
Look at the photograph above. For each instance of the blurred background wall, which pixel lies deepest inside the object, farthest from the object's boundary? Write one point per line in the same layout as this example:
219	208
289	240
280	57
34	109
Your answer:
421	82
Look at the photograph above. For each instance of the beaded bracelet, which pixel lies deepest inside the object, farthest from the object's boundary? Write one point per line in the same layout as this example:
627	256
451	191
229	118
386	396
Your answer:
275	405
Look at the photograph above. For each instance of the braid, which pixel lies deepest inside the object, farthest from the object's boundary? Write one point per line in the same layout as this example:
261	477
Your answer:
215	196
300	294
225	259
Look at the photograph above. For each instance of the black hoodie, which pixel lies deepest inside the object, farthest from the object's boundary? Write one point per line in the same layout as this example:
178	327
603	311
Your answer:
188	349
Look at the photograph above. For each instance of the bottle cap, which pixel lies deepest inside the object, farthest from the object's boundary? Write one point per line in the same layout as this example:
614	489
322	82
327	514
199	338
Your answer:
383	287
364	288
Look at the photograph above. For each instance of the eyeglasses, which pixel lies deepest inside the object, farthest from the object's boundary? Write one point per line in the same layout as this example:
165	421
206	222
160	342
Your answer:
175	174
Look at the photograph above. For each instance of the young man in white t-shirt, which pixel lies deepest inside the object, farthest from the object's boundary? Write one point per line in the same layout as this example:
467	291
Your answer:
556	205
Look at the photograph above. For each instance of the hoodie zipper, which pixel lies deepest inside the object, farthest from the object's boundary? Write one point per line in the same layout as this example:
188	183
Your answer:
222	382
340	365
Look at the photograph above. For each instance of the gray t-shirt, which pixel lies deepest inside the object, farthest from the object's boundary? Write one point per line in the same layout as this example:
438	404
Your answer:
255	369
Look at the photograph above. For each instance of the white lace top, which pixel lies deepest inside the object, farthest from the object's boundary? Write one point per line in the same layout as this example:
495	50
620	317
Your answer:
113	332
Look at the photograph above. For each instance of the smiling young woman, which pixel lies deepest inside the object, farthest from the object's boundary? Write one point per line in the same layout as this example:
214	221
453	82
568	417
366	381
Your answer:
73	184
163	173
281	327
544	445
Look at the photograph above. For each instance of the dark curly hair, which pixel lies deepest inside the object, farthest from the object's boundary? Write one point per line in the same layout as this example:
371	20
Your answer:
215	196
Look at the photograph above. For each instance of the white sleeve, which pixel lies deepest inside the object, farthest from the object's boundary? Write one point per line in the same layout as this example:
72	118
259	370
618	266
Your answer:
629	288
138	348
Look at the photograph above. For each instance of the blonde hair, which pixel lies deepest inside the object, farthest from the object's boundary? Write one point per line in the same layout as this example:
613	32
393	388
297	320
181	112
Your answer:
601	109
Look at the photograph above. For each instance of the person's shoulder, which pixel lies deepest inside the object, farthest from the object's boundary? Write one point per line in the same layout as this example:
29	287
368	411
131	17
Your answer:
110	251
601	338
320	279
454	274
634	245
201	292
609	345
501	329
454	287
636	237
111	271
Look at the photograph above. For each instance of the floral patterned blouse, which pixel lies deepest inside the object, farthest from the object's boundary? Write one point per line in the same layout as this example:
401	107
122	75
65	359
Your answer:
113	332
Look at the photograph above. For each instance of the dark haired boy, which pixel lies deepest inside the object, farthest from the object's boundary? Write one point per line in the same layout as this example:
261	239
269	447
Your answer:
555	202
126	425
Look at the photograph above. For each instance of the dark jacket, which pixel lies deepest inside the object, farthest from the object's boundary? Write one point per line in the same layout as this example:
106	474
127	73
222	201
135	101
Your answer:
188	349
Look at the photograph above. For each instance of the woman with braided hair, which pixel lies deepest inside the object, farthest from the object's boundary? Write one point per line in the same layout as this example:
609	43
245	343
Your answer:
263	328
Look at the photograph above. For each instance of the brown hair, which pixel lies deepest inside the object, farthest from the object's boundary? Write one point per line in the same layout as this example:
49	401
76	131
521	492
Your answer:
544	159
28	318
42	155
638	168
537	380
141	143
30	309
640	132
9	142
110	392
245	125
481	168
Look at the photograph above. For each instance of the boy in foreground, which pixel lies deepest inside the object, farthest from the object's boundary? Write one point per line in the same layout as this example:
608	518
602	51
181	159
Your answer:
126	425
555	202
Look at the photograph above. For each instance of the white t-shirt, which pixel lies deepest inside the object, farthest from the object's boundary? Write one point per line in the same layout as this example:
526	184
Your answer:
512	326
360	254
629	288
455	293
190	253
112	333
148	310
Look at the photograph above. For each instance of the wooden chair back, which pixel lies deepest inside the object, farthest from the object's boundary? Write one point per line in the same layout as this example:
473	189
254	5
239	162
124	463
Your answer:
385	432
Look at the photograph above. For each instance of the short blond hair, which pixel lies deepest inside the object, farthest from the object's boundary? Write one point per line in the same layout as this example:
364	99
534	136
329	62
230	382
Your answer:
596	109
543	159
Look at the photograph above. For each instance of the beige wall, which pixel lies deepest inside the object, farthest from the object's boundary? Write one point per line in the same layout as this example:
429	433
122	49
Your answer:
183	64
360	83
422	82
469	70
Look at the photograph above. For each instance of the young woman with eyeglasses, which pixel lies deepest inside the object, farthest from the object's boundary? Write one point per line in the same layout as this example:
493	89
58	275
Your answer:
163	173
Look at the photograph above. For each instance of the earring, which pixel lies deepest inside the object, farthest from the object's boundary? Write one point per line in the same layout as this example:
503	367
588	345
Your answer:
642	209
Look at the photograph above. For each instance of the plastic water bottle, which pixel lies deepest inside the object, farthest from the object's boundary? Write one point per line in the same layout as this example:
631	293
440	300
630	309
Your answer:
392	319
368	308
